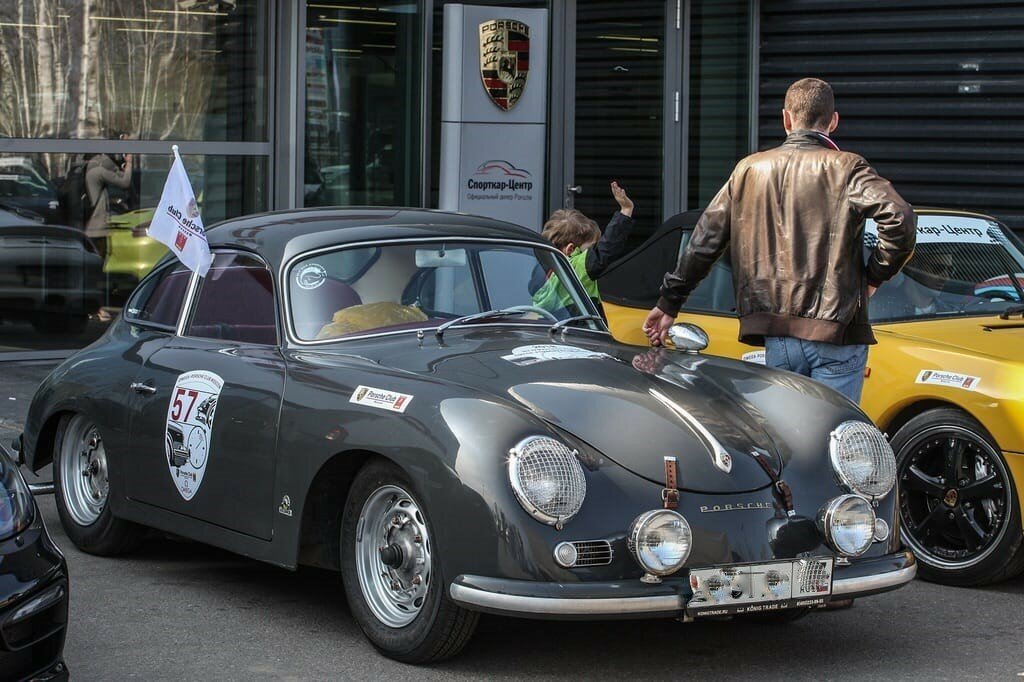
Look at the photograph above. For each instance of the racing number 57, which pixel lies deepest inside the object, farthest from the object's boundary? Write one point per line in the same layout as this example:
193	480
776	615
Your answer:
178	404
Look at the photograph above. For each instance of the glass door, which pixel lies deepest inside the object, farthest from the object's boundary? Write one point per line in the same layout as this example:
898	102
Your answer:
622	121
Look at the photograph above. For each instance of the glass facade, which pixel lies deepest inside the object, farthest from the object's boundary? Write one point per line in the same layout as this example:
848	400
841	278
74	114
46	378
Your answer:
278	104
102	82
362	111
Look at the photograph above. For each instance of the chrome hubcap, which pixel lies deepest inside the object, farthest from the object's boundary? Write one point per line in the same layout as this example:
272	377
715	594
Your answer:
393	556
83	471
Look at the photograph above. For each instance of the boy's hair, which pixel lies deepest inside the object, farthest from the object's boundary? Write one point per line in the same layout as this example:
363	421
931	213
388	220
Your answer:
569	226
811	103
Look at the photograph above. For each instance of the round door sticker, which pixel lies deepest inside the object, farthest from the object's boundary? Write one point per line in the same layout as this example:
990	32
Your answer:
189	434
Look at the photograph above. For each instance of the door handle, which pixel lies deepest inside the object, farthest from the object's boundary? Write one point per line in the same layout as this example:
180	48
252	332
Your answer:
140	387
571	192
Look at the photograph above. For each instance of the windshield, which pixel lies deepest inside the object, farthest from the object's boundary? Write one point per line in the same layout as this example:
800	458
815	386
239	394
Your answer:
962	266
395	287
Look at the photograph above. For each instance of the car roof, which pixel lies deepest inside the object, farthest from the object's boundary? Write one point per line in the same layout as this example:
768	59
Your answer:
281	235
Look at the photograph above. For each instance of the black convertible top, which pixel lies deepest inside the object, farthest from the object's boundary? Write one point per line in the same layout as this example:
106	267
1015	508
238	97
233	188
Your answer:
280	235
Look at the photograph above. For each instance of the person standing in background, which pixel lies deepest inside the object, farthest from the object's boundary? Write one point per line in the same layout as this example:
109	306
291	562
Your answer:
793	220
103	172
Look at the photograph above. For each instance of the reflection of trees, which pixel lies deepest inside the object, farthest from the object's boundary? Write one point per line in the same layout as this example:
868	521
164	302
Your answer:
77	68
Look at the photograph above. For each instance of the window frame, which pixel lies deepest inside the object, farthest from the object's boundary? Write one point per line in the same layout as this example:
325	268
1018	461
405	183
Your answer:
192	298
286	268
157	271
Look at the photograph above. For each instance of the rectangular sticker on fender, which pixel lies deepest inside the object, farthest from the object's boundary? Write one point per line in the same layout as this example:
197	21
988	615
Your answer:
938	378
378	397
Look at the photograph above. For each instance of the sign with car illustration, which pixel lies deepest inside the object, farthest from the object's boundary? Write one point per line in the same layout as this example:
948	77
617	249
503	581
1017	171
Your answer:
190	428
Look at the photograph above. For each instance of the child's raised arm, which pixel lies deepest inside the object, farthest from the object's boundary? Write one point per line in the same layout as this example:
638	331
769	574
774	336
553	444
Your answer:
612	244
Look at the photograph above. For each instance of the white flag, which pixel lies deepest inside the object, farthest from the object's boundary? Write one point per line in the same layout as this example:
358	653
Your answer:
177	223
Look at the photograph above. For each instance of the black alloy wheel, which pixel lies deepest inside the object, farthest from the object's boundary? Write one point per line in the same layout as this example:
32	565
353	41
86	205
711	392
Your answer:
959	510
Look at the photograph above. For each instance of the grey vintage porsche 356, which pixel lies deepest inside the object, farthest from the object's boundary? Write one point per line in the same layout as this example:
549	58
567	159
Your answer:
378	392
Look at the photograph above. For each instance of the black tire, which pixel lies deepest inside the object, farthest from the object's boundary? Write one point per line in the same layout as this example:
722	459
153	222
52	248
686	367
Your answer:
966	532
107	535
441	628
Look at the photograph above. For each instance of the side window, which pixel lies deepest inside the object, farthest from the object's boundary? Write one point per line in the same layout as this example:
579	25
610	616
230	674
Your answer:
715	293
235	302
159	299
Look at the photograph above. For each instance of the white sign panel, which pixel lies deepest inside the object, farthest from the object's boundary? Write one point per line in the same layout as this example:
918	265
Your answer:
934	229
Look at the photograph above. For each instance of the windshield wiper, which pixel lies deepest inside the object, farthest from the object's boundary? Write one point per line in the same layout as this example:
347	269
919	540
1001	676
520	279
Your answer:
562	324
1013	310
501	312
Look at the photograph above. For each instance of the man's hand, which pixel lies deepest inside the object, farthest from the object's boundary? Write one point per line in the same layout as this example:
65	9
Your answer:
656	326
622	199
871	290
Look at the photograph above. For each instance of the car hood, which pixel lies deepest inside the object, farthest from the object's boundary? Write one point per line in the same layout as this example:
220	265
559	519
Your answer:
635	417
989	336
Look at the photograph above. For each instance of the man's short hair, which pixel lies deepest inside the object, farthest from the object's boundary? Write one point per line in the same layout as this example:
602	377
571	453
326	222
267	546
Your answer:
569	226
811	103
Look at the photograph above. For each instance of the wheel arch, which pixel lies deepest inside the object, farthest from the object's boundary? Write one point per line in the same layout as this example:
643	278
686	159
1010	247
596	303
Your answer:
324	501
898	417
42	452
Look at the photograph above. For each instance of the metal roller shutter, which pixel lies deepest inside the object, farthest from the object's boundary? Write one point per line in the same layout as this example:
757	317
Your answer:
931	93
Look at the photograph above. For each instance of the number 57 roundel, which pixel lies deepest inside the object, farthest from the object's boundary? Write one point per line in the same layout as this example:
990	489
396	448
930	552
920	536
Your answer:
188	440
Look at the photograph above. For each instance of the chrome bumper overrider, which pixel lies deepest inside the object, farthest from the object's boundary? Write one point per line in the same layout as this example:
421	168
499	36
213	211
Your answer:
636	599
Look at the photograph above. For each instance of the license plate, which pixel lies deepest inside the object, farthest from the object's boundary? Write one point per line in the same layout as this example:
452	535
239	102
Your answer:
754	588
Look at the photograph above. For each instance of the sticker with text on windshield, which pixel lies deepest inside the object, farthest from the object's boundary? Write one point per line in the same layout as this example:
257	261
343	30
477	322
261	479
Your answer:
188	435
531	355
754	356
949	229
939	378
378	397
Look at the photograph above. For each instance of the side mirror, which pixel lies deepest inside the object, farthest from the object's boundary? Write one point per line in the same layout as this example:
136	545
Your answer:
688	337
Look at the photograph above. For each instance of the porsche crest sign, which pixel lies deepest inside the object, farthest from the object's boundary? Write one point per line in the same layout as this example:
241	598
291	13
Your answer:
504	60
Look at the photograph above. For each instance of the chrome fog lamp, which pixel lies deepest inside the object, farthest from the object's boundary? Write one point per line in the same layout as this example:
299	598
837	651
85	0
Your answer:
660	541
862	458
849	524
547	479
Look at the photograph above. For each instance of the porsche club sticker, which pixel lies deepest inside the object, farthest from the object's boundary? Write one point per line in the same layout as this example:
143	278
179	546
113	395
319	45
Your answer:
754	356
378	397
531	355
189	436
310	276
951	379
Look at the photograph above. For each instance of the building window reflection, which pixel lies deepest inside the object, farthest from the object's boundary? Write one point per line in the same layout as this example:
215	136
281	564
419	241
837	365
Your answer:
363	75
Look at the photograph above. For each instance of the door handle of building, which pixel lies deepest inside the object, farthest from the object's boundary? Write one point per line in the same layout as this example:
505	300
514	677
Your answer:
571	191
140	387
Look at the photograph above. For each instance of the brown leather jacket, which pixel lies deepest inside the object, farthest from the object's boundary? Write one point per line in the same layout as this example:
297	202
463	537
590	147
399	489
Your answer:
793	220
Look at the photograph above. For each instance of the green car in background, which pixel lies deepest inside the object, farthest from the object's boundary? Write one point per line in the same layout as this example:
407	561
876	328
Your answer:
130	251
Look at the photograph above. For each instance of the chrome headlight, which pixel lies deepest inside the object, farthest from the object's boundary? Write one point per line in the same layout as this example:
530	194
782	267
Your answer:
863	458
660	541
547	479
16	505
849	524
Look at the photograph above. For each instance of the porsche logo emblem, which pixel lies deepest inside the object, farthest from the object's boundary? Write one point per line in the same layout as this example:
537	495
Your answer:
504	60
950	497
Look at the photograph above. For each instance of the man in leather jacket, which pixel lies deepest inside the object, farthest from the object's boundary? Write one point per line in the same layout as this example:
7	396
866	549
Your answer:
792	218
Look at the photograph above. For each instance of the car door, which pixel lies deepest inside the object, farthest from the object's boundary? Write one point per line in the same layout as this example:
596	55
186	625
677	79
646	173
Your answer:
204	431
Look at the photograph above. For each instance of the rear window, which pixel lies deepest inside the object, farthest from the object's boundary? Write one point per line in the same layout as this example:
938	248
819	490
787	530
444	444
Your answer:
158	300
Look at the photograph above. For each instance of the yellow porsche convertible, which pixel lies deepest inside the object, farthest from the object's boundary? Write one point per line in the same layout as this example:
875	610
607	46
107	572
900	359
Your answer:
945	381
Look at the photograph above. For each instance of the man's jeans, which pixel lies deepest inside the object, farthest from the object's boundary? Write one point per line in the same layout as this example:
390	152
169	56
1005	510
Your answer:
838	367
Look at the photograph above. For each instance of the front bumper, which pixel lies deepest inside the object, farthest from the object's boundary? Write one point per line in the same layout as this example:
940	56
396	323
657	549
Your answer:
634	599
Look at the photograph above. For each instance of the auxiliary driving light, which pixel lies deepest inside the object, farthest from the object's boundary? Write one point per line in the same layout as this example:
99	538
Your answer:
863	459
660	542
849	524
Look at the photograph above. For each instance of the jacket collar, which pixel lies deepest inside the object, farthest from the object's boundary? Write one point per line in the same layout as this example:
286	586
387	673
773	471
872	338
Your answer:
803	137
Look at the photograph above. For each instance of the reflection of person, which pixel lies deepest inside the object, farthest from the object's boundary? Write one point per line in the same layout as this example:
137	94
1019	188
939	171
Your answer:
589	250
101	173
793	219
917	291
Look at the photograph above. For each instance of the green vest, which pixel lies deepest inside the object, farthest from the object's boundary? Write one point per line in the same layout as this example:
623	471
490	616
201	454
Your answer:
553	296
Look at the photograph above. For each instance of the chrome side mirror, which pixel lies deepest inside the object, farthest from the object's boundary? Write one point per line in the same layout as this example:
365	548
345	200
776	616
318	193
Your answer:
688	337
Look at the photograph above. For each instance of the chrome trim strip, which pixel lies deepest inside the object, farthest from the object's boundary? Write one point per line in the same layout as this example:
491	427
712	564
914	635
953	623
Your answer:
878	581
286	267
719	457
186	307
514	603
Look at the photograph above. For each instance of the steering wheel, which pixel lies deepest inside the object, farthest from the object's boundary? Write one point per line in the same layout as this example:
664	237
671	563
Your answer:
534	309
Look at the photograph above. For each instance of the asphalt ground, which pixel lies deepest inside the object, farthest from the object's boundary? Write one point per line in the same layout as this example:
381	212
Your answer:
181	610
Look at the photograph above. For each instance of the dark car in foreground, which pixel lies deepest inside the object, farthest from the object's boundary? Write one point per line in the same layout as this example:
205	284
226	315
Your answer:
375	391
33	585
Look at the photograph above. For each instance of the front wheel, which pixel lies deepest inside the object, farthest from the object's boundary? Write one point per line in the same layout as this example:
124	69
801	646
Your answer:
82	487
959	510
389	566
